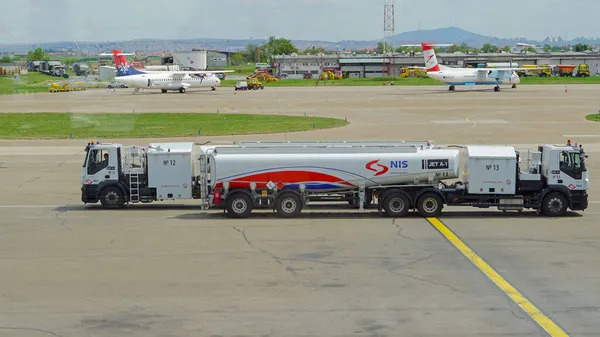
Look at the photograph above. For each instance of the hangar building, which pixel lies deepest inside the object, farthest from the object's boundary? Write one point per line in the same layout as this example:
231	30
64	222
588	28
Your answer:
361	66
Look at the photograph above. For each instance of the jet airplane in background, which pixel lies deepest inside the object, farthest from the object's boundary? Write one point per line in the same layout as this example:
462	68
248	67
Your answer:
163	80
468	76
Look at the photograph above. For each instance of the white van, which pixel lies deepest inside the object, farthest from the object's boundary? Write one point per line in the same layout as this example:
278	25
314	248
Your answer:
262	65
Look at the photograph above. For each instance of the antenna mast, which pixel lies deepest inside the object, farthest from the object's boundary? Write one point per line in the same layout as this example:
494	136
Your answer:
389	63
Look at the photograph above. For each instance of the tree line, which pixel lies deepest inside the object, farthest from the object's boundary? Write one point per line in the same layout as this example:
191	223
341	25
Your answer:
384	47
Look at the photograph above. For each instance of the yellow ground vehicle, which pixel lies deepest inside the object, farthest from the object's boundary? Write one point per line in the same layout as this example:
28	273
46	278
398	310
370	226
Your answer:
263	76
546	70
583	70
412	72
255	84
330	75
531	70
66	86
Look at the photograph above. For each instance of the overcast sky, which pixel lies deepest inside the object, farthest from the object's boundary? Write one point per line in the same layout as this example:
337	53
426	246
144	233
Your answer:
31	21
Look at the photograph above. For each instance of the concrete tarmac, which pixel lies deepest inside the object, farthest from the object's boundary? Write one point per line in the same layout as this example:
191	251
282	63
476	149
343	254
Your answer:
172	270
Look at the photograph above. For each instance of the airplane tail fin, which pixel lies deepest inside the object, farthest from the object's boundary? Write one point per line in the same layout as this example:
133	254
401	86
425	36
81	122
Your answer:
431	62
123	67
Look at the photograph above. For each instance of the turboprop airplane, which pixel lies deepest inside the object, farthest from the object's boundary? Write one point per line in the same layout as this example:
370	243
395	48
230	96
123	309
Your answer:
468	76
163	80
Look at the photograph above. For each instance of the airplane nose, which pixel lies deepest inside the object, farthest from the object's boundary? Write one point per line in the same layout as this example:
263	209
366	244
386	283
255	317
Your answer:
218	81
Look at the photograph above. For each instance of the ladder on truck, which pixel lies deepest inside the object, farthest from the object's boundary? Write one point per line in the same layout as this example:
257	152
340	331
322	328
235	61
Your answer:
204	181
134	187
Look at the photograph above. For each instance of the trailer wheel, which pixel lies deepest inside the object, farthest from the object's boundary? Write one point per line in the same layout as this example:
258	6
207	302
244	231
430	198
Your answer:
288	205
396	205
430	205
239	205
112	197
555	204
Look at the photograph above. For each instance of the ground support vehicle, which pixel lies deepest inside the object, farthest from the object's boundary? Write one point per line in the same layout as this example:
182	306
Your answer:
255	84
583	70
241	85
114	174
565	70
66	87
395	177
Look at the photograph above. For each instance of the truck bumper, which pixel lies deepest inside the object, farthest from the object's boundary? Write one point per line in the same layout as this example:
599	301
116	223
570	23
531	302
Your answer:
579	201
89	194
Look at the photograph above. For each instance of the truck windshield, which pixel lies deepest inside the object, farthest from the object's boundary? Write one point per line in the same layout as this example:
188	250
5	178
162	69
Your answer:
571	163
98	160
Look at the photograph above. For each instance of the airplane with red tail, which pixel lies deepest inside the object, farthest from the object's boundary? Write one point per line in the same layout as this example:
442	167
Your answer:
468	76
163	80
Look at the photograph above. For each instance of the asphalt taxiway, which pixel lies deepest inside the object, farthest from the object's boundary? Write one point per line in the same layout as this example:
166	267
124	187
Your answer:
173	270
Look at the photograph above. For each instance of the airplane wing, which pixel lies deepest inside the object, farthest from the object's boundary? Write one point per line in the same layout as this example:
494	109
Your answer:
506	69
499	72
182	74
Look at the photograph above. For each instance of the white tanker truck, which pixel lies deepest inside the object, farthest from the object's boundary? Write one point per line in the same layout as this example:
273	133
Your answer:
395	177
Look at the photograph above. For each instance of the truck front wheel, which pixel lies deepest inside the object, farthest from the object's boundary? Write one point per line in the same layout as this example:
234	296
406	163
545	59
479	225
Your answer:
430	205
555	204
396	205
239	205
288	205
112	197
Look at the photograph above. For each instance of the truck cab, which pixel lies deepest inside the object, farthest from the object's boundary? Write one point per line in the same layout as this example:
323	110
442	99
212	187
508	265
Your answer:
101	167
565	171
558	177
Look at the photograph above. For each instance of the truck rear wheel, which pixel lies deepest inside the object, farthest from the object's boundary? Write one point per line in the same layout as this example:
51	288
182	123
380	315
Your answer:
288	205
239	205
396	205
555	204
430	205
112	197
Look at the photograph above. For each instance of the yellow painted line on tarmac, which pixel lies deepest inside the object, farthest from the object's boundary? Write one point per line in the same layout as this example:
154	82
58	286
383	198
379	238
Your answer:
468	120
542	320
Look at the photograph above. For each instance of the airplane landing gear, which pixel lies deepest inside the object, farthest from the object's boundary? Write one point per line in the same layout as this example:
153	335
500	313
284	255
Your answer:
164	91
182	90
451	88
497	88
514	86
213	88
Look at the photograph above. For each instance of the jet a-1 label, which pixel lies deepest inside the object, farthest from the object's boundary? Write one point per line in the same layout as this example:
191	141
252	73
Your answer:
435	164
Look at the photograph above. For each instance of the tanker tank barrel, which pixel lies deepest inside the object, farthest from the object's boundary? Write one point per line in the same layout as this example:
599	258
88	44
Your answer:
320	144
310	150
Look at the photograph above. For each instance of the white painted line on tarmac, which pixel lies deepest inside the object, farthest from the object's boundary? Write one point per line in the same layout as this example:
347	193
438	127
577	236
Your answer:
470	121
30	206
582	136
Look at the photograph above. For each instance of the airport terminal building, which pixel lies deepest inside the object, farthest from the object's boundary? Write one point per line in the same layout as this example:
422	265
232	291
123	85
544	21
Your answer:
364	66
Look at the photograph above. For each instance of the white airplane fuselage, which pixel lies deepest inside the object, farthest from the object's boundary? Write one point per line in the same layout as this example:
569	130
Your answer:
459	76
169	82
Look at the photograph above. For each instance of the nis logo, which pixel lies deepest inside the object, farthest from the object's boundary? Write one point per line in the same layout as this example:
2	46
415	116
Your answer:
380	169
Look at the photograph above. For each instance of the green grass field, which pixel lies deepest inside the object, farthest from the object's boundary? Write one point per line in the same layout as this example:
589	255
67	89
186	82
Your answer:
593	117
28	83
560	80
118	125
